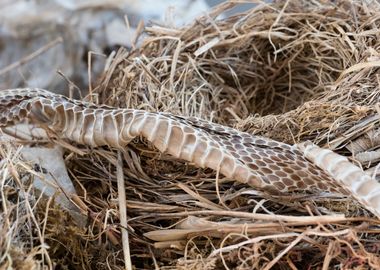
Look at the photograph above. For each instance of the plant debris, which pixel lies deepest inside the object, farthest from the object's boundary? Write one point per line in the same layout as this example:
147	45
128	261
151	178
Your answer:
290	70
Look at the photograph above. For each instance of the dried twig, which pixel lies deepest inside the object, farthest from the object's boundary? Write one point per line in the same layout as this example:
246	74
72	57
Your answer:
123	212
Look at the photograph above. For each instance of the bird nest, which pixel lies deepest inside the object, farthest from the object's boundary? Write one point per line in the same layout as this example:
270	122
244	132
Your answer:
291	71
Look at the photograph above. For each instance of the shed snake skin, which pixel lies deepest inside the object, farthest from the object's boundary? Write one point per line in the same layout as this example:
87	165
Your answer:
262	163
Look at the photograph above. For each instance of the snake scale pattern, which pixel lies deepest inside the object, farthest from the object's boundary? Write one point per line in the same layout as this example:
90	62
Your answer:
262	163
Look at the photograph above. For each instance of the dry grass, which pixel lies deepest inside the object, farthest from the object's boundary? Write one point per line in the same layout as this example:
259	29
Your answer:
293	71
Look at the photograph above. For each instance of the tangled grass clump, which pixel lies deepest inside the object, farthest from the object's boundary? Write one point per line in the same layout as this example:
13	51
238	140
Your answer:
290	70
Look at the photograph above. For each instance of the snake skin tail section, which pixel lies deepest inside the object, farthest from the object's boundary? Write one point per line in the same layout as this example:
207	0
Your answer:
360	185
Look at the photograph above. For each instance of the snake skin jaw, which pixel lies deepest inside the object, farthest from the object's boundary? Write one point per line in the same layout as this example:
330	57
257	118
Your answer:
260	162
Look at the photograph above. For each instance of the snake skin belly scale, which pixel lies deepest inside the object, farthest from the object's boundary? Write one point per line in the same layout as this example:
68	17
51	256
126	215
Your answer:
260	162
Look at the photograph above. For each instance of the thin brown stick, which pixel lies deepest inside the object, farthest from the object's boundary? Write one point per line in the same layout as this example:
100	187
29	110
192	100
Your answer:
31	56
123	212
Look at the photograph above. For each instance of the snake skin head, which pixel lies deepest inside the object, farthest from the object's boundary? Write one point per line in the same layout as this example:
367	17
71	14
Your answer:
12	109
15	104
